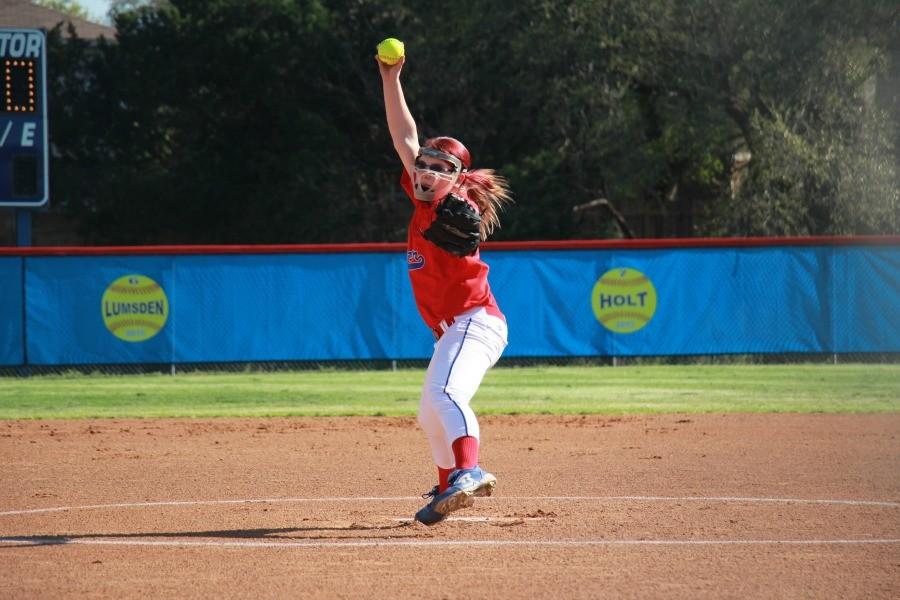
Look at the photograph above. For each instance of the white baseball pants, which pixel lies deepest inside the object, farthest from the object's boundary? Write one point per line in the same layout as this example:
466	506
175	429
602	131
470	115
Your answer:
463	354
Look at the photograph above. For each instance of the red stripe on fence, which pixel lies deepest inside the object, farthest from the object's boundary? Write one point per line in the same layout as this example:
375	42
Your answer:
643	244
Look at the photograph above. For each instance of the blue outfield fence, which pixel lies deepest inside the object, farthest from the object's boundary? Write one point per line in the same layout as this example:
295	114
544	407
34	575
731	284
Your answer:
299	303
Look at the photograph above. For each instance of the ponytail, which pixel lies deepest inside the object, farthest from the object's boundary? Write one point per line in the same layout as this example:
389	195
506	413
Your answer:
490	192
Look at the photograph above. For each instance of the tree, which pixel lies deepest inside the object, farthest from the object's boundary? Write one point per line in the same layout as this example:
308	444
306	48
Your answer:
248	121
649	104
210	123
70	7
788	80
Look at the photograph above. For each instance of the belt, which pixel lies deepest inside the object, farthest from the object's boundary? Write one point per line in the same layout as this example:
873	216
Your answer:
443	326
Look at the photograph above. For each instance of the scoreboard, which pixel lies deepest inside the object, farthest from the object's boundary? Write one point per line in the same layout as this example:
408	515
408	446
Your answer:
23	118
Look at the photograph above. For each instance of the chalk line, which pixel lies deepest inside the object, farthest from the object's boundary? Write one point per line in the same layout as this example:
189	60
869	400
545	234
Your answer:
61	540
176	503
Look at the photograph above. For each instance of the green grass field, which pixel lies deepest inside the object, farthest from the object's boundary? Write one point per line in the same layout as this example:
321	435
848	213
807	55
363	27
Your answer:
533	390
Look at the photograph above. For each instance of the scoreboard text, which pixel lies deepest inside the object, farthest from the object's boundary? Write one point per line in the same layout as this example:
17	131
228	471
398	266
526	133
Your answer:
23	118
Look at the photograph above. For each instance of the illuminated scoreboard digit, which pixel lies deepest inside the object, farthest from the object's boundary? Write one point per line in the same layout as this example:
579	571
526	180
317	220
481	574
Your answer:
23	118
19	86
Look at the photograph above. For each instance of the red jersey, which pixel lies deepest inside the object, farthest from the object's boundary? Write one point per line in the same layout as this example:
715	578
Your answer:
444	285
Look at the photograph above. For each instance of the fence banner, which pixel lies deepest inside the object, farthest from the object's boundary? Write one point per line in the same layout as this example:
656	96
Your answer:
866	294
99	310
294	307
12	343
694	301
660	302
190	308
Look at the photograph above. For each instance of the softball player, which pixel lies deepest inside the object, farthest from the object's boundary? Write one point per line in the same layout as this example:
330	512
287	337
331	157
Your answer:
455	208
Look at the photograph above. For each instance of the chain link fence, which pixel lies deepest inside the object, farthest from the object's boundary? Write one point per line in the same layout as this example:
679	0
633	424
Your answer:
512	362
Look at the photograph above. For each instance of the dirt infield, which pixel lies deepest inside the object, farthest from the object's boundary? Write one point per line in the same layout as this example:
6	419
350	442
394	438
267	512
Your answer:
633	507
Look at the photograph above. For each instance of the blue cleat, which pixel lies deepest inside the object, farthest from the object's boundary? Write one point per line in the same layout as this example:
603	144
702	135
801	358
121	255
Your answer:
465	485
427	515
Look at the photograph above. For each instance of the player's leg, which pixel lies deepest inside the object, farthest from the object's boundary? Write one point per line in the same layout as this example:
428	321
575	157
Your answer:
462	357
441	450
443	459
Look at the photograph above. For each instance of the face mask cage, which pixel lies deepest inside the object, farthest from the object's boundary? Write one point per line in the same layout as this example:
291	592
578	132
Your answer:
432	180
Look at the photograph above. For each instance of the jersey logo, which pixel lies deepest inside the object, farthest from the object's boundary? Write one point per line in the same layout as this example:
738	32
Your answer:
414	260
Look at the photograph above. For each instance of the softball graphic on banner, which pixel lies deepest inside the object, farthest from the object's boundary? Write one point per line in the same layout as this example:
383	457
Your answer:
135	308
624	300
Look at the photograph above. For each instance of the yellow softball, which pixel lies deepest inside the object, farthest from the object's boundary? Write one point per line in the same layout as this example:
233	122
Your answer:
135	308
624	300
390	51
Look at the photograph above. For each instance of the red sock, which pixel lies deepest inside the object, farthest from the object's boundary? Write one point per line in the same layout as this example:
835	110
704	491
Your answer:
443	476
465	451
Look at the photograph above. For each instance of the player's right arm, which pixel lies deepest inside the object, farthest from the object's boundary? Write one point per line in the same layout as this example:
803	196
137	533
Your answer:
400	121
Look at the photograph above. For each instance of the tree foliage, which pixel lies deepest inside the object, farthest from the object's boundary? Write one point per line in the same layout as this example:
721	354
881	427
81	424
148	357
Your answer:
70	7
250	121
